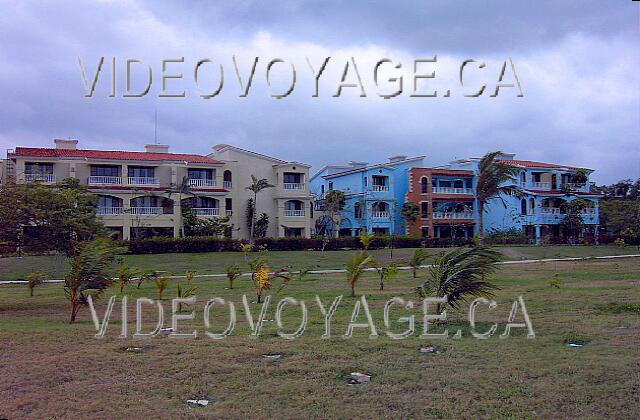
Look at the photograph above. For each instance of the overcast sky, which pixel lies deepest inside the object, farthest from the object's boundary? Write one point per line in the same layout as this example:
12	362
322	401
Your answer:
577	63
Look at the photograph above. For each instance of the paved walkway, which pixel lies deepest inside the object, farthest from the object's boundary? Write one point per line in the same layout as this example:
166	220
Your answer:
339	270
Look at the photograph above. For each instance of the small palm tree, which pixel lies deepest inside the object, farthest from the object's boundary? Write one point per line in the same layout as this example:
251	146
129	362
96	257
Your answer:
417	259
263	280
33	280
184	293
495	177
161	284
147	275
256	186
385	272
460	273
355	268
124	275
365	240
233	272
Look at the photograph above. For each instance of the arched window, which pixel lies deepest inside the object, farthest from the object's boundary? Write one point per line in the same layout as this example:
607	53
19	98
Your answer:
357	211
532	206
227	179
423	184
523	206
523	178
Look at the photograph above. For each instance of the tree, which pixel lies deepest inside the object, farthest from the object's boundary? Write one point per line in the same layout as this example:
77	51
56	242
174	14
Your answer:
460	273
333	204
233	272
88	275
262	226
495	178
385	272
572	224
183	188
124	275
355	268
417	259
410	212
56	218
33	280
256	186
161	284
365	240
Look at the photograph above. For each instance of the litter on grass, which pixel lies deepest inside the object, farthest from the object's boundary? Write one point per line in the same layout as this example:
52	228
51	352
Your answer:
272	356
427	349
358	378
142	349
197	403
573	345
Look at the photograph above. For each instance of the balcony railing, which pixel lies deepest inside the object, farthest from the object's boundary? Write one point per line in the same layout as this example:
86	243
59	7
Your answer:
229	212
380	188
380	214
104	180
572	185
294	213
206	211
293	186
452	215
450	190
146	211
109	211
542	185
139	180
202	182
227	185
47	178
549	210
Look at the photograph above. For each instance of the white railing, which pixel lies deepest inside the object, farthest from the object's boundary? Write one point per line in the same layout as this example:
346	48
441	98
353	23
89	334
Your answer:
140	180
294	213
202	182
380	214
293	186
542	185
549	210
229	212
380	188
108	211
572	185
452	215
104	180
206	211
146	211
451	190
49	178
227	185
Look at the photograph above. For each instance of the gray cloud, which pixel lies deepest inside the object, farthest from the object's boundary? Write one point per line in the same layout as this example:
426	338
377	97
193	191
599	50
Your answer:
577	62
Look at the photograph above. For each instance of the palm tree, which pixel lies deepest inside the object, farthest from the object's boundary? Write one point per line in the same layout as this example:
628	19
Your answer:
181	189
355	267
460	273
256	186
417	259
494	177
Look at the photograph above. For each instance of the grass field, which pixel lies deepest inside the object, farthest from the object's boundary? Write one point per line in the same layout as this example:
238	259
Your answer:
51	369
214	262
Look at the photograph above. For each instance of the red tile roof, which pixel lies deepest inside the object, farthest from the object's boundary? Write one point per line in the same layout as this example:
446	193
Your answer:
37	152
532	164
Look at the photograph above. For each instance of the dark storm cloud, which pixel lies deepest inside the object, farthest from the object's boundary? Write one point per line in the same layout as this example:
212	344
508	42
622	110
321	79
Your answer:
577	62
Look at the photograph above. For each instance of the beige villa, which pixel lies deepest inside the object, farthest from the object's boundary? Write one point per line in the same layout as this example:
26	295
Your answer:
140	193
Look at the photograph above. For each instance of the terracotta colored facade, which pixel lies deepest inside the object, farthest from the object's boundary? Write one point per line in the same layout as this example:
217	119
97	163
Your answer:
424	190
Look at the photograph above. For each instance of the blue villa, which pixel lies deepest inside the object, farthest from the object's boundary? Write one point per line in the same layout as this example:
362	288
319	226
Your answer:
374	194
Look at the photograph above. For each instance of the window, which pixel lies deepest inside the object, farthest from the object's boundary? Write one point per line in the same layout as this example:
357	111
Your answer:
103	170
379	181
424	210
207	174
226	176
523	207
532	206
423	185
322	189
330	185
109	202
292	232
357	211
204	203
292	178
38	168
425	231
228	204
141	172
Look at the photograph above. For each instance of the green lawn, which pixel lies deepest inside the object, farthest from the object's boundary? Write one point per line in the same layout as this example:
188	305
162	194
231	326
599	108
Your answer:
49	368
214	262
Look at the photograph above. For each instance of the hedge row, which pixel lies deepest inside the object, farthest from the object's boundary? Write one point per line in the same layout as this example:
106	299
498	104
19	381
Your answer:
213	244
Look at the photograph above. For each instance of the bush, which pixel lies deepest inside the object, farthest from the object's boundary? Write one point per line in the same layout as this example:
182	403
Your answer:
213	244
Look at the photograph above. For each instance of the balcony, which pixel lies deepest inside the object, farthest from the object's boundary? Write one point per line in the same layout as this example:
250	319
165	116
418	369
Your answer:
146	211
549	210
380	188
104	180
206	212
46	178
229	212
293	186
380	215
445	215
451	190
143	181
202	183
542	185
294	213
227	185
109	211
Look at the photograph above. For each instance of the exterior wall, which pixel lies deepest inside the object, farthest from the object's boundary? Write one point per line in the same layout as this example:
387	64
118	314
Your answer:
242	165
